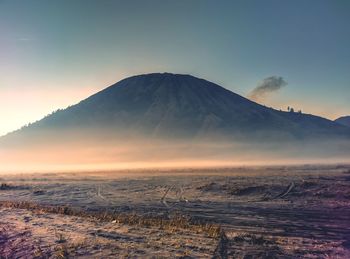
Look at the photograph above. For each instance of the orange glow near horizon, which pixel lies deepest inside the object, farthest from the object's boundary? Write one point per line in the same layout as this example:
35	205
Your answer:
32	103
146	154
165	165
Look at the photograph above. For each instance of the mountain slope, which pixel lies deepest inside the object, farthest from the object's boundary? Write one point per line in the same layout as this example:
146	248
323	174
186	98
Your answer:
180	106
344	121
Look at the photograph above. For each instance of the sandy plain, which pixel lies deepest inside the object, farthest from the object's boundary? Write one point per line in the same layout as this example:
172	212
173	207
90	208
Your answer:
243	212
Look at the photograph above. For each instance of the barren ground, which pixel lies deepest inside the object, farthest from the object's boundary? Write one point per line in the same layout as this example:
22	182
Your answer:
275	212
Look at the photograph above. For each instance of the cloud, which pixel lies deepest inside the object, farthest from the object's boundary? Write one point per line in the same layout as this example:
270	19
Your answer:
267	86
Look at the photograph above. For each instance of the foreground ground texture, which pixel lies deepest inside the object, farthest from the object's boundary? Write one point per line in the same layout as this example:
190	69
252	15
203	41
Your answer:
275	212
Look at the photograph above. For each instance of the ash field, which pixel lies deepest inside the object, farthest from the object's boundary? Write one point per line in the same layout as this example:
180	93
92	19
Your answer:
242	212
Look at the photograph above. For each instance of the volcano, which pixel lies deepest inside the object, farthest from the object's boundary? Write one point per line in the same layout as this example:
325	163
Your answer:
164	105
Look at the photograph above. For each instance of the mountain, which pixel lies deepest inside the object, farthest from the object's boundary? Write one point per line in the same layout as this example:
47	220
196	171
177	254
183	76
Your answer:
170	120
344	121
164	105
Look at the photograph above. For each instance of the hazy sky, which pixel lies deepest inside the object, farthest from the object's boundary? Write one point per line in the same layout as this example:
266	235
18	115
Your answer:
55	53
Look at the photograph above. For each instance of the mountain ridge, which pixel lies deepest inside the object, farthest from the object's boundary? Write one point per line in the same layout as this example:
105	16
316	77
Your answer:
344	120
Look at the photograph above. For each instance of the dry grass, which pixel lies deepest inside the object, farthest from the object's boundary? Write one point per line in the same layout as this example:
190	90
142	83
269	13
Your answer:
172	225
61	252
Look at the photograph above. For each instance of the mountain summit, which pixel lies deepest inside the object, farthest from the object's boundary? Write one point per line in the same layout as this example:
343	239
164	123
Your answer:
172	105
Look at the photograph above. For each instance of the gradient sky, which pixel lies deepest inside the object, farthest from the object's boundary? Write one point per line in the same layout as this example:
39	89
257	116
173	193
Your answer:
55	53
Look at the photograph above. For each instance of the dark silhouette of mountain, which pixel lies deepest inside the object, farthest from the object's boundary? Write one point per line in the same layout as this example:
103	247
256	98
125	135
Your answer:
164	105
345	120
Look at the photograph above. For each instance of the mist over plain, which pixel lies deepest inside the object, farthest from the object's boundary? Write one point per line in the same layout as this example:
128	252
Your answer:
78	152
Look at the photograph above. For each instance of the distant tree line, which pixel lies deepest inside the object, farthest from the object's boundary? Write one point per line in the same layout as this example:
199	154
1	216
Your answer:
291	109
